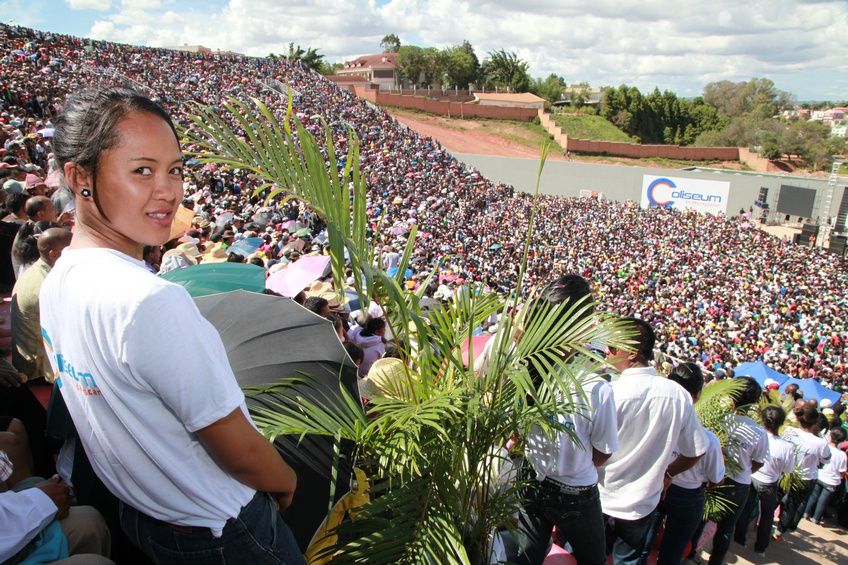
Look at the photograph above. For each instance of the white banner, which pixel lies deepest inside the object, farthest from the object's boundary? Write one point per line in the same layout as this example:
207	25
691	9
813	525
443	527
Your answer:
704	196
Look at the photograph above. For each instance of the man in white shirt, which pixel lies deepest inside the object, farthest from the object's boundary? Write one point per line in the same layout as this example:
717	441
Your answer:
565	492
829	478
655	417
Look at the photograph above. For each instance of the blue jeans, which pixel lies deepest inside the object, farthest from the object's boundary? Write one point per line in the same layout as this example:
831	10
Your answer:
737	493
577	517
257	535
768	495
794	503
818	500
683	509
629	540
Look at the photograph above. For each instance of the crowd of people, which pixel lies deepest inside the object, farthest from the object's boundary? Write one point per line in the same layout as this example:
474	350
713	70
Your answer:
717	289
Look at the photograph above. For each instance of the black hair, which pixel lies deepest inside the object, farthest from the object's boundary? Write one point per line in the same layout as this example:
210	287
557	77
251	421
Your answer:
372	326
806	414
354	351
689	376
16	202
773	418
316	304
235	258
645	339
392	350
25	249
837	435
88	126
258	262
35	205
750	392
569	288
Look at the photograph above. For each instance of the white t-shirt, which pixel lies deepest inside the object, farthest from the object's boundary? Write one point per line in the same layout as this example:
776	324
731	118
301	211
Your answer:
709	468
593	422
141	371
780	460
833	471
655	416
810	451
748	442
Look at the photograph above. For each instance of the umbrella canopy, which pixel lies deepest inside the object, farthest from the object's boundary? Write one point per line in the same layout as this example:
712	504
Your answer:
302	232
213	278
268	338
246	246
479	342
759	371
263	217
293	225
812	389
297	276
46	132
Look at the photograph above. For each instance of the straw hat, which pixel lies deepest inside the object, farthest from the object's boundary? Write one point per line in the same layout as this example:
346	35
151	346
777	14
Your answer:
216	254
385	378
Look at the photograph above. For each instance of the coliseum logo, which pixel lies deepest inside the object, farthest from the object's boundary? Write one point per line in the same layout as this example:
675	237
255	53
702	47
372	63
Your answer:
701	195
677	194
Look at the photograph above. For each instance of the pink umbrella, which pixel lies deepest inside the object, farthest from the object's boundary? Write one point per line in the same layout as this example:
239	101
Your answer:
297	276
479	343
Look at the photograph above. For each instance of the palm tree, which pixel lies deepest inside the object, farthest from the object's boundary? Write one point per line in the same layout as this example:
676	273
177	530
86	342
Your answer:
503	68
433	449
309	56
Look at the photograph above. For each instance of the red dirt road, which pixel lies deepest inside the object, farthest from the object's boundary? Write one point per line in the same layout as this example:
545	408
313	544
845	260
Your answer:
469	140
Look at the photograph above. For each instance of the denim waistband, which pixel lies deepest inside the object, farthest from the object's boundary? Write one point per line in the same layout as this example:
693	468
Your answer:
567	489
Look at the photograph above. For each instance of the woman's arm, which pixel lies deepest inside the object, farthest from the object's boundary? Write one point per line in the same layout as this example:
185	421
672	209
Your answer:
250	458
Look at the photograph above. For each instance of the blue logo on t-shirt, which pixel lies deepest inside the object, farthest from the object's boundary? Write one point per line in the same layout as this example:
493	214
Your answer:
83	381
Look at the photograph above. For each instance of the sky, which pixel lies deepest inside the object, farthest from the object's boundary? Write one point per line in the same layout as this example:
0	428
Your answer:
680	45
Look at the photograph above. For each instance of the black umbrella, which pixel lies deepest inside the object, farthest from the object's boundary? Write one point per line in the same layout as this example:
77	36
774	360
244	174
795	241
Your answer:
269	338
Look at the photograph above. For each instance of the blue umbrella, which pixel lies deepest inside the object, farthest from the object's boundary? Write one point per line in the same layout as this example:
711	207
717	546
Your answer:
246	246
215	278
759	371
813	390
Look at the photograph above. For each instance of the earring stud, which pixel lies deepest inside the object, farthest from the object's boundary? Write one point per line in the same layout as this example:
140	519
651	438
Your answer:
85	192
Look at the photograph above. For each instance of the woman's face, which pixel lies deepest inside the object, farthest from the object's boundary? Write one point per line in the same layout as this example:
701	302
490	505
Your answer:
139	185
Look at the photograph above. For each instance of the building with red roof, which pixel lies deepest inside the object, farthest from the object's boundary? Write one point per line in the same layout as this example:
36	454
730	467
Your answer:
379	69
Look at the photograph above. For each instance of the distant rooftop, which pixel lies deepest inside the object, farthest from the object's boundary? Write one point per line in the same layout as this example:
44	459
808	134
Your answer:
523	97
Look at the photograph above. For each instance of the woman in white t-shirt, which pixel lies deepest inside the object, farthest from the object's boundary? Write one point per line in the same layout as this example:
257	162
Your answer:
811	452
145	377
764	483
829	478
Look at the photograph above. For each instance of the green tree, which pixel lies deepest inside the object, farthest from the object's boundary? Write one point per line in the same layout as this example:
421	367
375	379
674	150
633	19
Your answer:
461	65
309	56
390	43
549	88
506	69
411	63
434	66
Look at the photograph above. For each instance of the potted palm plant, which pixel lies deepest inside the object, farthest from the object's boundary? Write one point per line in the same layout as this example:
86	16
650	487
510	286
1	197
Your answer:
434	454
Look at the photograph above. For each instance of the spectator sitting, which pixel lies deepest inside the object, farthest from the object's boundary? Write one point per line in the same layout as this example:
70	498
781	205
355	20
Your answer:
28	354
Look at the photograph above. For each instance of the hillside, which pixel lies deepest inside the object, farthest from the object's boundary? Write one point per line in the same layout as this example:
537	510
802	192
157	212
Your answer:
583	126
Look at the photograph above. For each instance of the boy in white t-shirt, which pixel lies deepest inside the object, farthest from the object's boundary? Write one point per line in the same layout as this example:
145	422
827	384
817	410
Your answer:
830	478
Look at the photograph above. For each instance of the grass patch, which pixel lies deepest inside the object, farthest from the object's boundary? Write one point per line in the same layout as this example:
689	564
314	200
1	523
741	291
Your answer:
595	128
659	162
843	169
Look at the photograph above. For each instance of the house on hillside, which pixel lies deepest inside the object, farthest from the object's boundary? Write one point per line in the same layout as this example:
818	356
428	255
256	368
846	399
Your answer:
585	95
380	70
509	100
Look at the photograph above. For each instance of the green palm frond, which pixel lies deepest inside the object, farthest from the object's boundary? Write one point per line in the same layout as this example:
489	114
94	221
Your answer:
714	408
717	503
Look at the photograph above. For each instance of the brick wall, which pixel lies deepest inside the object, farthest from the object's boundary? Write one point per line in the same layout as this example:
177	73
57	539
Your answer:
445	108
639	151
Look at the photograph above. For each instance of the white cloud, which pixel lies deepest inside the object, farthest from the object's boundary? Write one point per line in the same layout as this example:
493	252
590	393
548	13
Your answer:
679	44
99	5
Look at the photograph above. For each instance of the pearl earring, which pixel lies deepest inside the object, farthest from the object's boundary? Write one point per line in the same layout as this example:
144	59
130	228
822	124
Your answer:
85	192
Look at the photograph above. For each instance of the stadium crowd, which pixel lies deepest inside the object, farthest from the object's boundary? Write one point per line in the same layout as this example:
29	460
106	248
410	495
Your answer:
715	289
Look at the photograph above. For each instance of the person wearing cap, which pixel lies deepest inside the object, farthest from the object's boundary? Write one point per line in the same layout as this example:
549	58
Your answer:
35	185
